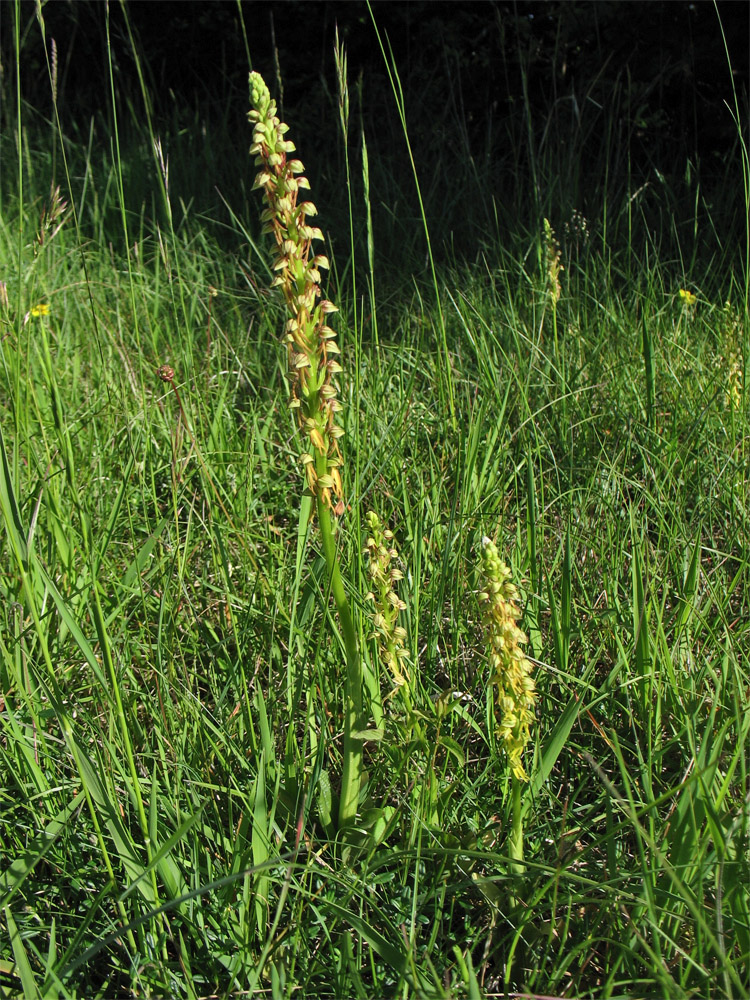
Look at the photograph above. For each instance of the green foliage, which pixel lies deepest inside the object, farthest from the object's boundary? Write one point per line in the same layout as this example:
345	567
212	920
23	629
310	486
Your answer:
171	672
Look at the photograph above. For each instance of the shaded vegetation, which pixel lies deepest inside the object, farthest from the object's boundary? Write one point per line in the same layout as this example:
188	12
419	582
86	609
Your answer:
171	667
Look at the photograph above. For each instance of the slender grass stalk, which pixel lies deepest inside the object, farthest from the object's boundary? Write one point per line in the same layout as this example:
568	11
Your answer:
121	193
351	776
370	240
648	364
19	261
744	159
312	351
398	95
515	837
552	269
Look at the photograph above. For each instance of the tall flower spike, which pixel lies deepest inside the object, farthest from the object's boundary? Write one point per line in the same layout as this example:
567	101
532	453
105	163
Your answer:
510	669
311	343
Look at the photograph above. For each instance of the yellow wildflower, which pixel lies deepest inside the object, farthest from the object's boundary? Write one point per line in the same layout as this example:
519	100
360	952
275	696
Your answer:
687	297
41	309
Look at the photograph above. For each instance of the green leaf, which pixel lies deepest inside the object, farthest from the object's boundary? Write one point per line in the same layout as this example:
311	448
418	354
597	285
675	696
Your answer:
23	967
12	878
126	849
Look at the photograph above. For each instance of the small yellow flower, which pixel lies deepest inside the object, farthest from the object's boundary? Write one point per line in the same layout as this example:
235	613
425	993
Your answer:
687	297
40	309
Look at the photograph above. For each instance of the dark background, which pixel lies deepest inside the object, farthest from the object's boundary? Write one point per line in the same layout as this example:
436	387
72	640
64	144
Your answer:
196	50
480	80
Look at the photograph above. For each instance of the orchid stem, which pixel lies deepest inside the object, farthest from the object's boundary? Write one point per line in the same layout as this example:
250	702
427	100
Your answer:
515	839
353	723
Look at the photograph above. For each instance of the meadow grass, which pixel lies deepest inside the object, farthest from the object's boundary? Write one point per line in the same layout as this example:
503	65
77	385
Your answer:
172	670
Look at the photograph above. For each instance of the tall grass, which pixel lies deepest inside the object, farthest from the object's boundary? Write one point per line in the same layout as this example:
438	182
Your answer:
171	671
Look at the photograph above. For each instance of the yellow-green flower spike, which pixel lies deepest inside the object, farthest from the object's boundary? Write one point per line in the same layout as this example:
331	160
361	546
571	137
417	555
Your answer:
733	394
552	263
383	574
313	366
730	339
311	345
510	670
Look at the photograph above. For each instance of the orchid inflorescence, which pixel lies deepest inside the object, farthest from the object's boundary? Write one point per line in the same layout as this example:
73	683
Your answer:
730	339
552	263
311	343
383	573
510	668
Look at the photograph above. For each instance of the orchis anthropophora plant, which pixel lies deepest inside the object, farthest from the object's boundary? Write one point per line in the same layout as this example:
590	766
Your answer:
510	673
313	365
383	573
310	341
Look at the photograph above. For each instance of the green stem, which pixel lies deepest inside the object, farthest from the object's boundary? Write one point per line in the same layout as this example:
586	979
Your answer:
558	361
353	719
515	840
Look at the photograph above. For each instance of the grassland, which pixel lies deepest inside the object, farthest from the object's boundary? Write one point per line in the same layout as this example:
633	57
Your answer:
171	665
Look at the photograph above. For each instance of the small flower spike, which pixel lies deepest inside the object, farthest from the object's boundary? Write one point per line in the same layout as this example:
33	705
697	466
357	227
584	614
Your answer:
730	339
311	343
552	263
510	669
384	573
